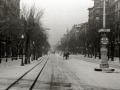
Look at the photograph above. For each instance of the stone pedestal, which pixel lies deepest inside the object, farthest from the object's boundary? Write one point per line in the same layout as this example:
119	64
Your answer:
104	66
104	62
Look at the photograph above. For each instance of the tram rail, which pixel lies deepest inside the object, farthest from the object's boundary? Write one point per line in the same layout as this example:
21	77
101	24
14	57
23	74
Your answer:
31	87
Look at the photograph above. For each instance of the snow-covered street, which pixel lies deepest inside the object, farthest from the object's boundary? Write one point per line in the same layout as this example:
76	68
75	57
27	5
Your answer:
76	73
85	71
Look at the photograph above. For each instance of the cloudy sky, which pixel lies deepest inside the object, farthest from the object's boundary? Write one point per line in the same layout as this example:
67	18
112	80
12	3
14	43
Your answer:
61	14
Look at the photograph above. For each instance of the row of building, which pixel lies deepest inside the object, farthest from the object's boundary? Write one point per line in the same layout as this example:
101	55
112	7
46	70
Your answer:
112	21
72	39
87	32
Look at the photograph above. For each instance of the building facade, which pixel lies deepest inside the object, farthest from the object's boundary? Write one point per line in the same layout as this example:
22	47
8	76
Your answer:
9	16
112	22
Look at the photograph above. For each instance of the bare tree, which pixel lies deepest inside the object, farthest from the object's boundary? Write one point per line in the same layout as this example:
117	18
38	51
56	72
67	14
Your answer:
32	18
34	30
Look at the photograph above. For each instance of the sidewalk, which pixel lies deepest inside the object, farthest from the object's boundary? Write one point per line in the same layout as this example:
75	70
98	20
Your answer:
115	62
13	69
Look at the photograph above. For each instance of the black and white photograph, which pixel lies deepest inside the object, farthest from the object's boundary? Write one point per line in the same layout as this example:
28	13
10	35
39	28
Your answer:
59	44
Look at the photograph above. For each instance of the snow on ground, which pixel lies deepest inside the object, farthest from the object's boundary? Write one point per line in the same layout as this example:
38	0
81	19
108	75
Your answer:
106	80
10	71
85	71
13	69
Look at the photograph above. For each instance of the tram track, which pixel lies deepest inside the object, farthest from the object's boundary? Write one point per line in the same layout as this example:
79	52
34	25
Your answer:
38	75
20	79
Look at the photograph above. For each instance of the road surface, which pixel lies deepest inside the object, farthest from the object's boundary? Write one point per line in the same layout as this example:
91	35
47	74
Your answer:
61	74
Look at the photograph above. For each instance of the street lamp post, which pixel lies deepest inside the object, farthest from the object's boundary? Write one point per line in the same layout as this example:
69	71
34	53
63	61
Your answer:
104	40
34	50
22	37
6	50
0	51
18	48
76	36
104	66
118	27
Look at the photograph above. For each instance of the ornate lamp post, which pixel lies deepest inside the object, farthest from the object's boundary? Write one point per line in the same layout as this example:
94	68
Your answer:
33	50
104	66
118	41
104	41
0	50
22	38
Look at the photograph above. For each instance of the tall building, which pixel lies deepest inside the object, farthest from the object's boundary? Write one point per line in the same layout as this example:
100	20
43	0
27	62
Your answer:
112	20
9	18
96	15
14	6
9	8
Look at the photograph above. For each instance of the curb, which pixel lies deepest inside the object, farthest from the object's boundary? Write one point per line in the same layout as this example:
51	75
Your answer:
105	69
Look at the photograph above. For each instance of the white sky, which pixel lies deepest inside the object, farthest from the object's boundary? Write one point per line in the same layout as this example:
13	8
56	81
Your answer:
62	14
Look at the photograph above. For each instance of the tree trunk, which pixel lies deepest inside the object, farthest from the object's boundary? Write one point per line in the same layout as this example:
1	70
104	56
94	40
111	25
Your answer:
112	51
27	51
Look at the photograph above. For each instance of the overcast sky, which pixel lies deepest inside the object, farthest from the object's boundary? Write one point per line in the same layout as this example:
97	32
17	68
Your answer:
62	14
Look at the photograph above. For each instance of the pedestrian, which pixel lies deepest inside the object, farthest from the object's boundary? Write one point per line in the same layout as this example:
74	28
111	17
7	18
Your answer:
64	54
68	55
